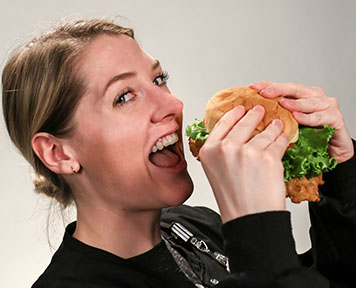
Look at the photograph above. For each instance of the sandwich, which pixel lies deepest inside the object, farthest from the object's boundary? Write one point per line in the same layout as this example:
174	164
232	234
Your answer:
306	157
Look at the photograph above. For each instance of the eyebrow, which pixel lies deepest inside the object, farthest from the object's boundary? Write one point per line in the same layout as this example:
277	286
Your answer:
126	75
156	64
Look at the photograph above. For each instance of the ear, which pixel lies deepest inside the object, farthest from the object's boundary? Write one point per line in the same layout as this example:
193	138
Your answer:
54	153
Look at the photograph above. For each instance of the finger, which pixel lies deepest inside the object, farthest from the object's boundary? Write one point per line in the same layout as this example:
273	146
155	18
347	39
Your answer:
305	105
266	137
279	147
292	90
260	85
243	130
316	119
225	124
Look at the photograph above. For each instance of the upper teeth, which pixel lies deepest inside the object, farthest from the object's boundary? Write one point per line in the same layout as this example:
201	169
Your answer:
164	142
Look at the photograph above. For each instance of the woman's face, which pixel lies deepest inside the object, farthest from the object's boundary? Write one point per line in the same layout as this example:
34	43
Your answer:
126	113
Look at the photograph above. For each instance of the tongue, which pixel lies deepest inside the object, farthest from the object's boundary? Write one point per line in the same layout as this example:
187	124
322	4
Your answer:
164	158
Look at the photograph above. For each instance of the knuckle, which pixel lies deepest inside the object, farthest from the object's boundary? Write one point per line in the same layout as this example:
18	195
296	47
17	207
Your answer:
292	84
315	103
203	154
271	158
207	151
268	157
269	135
316	117
333	102
265	82
202	151
243	125
314	94
228	144
281	145
248	151
338	120
319	91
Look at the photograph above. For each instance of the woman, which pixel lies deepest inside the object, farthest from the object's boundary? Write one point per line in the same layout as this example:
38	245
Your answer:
91	112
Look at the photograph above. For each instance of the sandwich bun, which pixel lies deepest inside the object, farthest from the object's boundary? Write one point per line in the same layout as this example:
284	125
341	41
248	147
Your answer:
226	100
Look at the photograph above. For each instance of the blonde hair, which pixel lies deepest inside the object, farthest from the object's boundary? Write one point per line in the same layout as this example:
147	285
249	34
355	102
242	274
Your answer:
40	91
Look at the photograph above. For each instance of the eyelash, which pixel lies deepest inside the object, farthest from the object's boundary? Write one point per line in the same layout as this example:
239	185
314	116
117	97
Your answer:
119	99
164	76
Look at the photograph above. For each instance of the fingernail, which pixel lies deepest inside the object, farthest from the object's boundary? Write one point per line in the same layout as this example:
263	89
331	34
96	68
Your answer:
258	108
239	107
277	122
267	91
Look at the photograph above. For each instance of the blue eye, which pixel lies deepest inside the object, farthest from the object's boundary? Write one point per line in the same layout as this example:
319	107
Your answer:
124	97
161	79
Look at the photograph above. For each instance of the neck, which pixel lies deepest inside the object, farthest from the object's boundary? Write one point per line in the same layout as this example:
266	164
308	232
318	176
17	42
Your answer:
123	233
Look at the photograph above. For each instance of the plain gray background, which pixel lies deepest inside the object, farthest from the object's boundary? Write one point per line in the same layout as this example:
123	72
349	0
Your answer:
206	46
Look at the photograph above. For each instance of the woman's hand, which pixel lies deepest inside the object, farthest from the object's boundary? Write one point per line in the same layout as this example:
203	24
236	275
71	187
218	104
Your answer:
312	107
246	173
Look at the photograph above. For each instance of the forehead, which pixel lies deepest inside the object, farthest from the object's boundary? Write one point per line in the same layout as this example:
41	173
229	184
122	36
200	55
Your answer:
121	46
110	54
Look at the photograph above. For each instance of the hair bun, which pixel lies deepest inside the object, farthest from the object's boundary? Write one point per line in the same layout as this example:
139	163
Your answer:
45	186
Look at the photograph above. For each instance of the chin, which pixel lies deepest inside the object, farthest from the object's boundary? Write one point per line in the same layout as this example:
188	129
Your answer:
180	192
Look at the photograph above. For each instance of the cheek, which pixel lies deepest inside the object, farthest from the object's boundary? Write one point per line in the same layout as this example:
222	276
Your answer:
111	147
111	144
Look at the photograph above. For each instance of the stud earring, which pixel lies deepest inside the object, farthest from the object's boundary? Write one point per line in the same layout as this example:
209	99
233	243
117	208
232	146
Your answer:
75	172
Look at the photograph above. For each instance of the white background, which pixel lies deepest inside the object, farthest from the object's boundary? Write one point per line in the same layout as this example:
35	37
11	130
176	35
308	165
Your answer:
206	46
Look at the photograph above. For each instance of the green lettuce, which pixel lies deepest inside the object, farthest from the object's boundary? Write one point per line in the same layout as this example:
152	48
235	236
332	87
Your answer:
197	131
309	157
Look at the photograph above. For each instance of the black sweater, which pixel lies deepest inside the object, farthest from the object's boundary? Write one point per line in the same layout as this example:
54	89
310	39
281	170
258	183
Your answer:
260	247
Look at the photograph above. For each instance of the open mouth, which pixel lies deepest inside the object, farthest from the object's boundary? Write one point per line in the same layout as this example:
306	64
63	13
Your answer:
165	151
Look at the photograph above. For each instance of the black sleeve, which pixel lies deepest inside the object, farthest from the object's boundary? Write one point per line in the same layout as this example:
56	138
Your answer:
333	230
262	253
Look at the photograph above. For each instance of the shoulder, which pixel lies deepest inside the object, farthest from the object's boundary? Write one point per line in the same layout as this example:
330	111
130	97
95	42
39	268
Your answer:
61	272
76	265
71	264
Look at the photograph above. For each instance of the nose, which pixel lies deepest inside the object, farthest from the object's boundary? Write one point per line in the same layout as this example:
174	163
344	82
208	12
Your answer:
166	105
